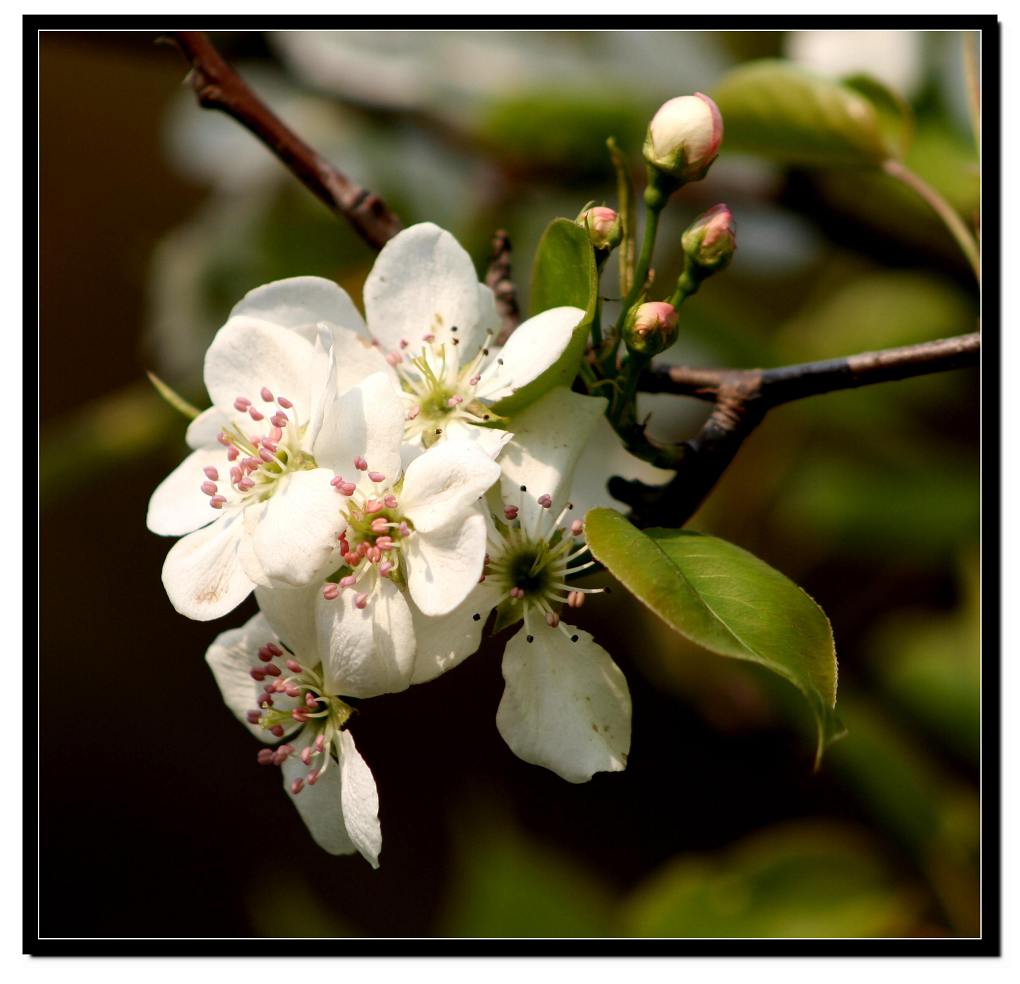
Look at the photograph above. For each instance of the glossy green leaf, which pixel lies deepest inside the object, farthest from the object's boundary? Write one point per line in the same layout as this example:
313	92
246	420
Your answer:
563	274
728	601
799	880
779	110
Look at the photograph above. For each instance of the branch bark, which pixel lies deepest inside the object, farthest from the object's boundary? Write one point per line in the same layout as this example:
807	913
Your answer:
218	86
499	279
742	397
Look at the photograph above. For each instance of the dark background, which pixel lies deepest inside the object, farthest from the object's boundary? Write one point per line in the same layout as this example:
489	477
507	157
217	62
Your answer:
156	819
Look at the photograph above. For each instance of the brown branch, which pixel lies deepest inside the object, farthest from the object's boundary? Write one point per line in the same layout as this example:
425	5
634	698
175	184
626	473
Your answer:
742	397
218	86
499	279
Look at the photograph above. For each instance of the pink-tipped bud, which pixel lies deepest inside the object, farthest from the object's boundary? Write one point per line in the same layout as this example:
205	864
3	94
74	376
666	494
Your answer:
651	328
605	230
710	240
684	137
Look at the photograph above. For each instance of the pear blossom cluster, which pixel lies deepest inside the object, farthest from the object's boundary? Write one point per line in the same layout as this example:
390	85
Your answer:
375	481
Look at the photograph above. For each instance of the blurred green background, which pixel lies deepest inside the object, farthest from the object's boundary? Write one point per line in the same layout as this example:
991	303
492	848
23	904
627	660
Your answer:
156	217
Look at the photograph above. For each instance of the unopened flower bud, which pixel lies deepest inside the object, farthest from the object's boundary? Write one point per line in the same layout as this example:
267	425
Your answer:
684	137
651	328
604	227
710	240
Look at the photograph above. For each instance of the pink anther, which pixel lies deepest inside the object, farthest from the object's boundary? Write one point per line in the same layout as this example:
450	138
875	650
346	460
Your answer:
474	380
545	501
266	395
413	412
330	592
390	501
255	414
510	512
277	729
217	502
254	717
284	402
211	473
552	619
376	476
380	524
297	785
361	601
209	488
454	401
232	453
265	756
577	527
348	582
294	666
373	506
360	463
224	439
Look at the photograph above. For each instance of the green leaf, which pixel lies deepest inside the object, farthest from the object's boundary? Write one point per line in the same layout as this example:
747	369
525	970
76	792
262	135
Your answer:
728	601
805	879
563	274
893	112
776	109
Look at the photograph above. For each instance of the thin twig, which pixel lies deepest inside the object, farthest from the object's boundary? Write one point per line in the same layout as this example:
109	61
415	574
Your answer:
949	216
499	279
218	86
742	397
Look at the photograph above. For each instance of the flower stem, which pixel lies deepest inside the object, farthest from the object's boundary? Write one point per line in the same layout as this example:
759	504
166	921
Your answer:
956	226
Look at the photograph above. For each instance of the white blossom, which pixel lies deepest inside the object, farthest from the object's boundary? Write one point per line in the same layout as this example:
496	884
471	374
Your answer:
566	705
435	323
282	698
414	536
253	501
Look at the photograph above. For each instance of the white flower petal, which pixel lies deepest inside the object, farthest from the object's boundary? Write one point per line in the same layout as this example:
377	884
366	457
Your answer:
443	641
202	431
542	457
295	539
443	565
320	804
566	705
442	484
202	574
366	421
489	440
231	657
423	282
360	800
301	303
366	651
356	359
533	348
179	505
603	456
290	612
247	354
